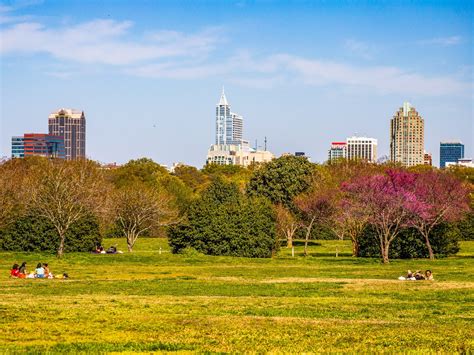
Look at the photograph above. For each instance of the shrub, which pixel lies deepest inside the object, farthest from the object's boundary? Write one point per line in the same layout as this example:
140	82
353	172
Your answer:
411	244
225	222
34	233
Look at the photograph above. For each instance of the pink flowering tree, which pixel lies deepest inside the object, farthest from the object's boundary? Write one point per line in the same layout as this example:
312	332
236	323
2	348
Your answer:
385	201
440	198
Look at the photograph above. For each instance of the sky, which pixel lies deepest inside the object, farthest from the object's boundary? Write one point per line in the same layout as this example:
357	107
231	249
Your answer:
148	74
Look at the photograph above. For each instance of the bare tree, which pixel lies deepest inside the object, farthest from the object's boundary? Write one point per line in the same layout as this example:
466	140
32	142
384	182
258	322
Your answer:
316	207
16	180
67	191
287	224
137	208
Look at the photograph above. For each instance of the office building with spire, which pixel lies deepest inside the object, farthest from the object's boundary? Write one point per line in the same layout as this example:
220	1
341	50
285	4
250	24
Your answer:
407	136
230	148
229	125
71	125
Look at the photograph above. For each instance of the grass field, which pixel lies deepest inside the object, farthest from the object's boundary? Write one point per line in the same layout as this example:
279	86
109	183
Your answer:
147	301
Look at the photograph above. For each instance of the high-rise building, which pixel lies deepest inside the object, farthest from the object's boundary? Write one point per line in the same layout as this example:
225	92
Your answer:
71	125
362	148
450	152
230	148
338	150
229	125
38	144
407	136
427	159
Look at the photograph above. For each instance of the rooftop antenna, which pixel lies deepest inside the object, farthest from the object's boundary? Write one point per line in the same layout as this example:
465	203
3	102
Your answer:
256	146
265	143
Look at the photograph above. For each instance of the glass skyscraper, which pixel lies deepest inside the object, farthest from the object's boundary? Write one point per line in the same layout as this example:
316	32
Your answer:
450	152
229	125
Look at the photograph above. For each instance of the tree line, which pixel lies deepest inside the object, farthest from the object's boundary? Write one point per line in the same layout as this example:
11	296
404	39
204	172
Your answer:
383	209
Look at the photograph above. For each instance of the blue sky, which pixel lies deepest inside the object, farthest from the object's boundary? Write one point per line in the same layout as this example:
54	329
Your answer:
303	73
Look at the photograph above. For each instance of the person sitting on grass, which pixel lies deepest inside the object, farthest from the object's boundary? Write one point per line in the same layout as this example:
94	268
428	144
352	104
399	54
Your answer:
429	275
22	270
15	271
112	250
39	271
47	273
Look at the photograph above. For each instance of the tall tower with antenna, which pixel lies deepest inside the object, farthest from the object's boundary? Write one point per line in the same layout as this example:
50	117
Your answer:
229	125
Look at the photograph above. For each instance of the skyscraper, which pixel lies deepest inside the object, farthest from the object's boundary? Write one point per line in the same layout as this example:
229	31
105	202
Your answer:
229	125
71	125
407	136
230	148
450	152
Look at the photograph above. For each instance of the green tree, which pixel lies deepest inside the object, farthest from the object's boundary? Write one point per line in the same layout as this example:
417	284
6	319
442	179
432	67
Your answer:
191	177
281	179
223	221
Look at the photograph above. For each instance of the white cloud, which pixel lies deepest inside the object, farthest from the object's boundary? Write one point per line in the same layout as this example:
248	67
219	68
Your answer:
191	56
443	41
103	42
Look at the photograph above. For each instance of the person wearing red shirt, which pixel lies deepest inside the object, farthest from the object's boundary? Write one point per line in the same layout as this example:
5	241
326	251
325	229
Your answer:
15	271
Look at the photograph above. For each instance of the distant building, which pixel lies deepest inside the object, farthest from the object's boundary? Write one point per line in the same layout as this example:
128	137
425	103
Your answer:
362	148
428	160
229	125
38	144
18	147
338	150
71	125
407	136
467	162
230	148
450	152
230	154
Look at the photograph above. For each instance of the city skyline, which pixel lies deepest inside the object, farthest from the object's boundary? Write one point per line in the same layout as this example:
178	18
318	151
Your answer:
154	74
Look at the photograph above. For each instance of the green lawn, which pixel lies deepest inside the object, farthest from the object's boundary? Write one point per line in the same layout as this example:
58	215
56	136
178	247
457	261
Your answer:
147	301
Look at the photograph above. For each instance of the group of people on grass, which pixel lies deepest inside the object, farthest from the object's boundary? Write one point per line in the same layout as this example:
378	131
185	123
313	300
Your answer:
99	249
41	272
417	275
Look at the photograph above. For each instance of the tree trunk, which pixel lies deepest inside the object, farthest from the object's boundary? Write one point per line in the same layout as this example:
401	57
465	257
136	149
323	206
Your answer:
355	247
308	232
62	237
289	241
428	245
130	243
385	249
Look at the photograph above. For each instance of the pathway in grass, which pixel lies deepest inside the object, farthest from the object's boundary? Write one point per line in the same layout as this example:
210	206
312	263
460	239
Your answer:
150	301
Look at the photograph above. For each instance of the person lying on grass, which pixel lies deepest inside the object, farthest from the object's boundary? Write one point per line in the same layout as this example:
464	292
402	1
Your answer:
418	275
